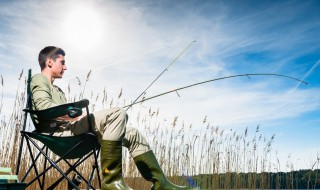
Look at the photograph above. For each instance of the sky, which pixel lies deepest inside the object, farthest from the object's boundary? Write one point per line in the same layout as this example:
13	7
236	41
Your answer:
127	44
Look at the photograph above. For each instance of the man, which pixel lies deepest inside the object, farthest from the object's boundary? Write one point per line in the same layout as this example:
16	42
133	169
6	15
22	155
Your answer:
108	125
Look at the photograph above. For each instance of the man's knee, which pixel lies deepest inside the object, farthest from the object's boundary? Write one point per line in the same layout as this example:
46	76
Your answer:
114	126
134	135
121	113
112	115
135	142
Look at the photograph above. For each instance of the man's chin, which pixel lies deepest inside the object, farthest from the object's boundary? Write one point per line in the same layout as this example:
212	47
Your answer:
58	77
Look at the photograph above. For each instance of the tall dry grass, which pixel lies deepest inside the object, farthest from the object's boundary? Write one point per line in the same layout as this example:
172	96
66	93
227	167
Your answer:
185	151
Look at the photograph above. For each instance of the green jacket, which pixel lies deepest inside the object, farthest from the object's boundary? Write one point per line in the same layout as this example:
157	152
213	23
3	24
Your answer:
45	95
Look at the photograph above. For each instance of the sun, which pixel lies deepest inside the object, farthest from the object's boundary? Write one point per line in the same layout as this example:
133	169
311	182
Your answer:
83	26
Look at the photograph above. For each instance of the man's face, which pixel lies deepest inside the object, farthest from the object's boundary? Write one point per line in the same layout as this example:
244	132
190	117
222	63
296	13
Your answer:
57	66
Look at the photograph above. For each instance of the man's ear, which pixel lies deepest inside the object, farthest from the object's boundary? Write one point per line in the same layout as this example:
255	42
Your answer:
49	62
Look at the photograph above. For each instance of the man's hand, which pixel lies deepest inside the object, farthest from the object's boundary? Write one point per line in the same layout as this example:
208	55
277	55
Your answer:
67	118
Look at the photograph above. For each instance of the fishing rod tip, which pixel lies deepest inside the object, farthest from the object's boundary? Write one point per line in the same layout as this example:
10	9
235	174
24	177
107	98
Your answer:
304	82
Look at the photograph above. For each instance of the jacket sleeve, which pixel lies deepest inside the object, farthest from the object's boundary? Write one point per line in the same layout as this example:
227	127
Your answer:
41	93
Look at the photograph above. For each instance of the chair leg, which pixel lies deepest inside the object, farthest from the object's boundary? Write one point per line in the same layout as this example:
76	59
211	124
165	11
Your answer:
95	167
49	163
70	169
53	164
20	154
22	136
44	168
29	169
73	168
34	166
91	177
53	186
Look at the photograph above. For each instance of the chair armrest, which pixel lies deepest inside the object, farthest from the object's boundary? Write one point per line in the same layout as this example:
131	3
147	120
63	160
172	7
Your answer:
73	109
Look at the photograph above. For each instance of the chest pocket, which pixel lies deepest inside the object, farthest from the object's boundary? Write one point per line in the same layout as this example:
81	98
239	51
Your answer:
58	97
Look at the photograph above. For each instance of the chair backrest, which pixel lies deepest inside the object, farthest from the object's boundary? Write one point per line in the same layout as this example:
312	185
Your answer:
29	99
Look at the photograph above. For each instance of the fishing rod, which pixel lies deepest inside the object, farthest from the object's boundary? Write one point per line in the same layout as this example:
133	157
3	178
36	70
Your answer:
216	79
166	69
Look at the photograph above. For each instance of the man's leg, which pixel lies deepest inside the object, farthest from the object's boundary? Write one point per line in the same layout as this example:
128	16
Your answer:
109	127
146	161
108	124
135	142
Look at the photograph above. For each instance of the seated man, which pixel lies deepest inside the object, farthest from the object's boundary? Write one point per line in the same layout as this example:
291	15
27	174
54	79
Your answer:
108	125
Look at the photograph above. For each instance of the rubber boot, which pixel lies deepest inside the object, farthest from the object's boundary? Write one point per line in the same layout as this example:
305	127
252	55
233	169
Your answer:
150	170
111	166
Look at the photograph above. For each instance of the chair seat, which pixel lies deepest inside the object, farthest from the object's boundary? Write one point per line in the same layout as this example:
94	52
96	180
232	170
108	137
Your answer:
61	145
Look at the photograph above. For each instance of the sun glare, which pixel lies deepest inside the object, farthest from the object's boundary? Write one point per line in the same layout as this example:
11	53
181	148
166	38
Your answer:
83	26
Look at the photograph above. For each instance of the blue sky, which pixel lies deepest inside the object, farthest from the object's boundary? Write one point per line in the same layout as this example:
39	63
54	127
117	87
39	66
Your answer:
127	44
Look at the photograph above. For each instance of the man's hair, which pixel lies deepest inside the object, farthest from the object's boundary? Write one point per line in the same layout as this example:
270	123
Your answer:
49	52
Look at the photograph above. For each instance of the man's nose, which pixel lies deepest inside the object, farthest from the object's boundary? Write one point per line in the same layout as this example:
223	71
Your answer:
64	67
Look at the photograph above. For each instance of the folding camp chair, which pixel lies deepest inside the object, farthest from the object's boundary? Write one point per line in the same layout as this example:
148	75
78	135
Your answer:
79	147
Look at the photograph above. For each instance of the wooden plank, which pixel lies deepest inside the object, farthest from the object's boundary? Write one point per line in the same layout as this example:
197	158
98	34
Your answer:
5	170
9	177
